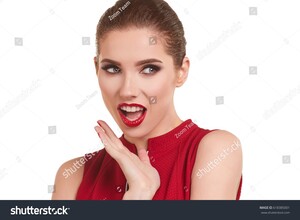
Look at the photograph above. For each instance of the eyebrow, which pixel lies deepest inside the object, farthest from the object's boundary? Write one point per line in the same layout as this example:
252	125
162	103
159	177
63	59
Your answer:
139	63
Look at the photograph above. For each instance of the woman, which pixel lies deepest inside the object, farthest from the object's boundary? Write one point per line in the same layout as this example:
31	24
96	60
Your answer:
141	59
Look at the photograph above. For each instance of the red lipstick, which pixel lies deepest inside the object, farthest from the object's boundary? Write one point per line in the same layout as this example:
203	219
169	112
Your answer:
132	114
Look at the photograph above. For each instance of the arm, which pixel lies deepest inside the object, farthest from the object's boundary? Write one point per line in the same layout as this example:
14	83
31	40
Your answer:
66	181
218	167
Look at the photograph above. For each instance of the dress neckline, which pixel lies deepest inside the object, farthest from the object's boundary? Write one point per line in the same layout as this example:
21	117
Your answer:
165	141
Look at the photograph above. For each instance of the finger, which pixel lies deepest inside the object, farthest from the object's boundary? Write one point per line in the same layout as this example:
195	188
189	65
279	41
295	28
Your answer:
126	159
112	149
103	137
143	155
101	133
99	129
111	135
108	130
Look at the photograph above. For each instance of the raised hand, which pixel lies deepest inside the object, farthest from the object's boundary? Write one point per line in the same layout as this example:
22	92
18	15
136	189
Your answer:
143	179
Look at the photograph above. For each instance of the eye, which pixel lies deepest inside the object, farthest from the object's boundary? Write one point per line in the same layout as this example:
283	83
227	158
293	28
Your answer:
150	70
111	69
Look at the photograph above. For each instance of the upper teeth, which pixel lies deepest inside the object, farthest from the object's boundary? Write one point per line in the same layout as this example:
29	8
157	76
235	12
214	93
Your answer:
131	108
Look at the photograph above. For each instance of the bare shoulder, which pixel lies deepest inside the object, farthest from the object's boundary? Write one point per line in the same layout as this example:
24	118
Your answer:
218	166
68	179
219	141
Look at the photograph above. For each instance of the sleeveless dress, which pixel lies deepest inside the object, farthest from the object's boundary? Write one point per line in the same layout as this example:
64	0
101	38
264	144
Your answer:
173	155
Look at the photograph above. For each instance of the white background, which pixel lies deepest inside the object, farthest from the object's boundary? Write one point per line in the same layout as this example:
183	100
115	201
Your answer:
248	57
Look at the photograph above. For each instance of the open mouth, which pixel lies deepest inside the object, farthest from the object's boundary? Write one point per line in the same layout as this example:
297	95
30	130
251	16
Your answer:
132	115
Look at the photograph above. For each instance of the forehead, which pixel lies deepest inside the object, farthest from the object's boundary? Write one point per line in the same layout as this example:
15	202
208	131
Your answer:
132	43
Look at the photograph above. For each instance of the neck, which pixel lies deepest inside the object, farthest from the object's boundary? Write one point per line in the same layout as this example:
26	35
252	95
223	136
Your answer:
165	125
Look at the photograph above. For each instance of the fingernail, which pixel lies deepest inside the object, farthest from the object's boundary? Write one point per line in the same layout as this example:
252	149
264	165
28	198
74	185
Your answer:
100	129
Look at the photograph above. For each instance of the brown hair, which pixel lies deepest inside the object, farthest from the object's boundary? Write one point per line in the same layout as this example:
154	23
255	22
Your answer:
155	14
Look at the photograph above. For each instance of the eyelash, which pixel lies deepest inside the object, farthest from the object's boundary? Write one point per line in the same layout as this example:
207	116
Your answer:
110	66
151	66
154	67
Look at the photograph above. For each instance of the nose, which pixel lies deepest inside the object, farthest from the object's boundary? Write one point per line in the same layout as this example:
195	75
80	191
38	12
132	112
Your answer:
129	88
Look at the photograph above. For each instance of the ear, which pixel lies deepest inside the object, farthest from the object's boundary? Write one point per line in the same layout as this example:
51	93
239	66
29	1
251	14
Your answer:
96	64
183	72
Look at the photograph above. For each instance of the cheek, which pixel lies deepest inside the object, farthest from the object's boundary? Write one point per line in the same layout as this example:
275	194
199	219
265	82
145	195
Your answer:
108	89
107	85
162	88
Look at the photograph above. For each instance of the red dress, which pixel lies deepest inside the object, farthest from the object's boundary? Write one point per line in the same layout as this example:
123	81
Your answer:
172	154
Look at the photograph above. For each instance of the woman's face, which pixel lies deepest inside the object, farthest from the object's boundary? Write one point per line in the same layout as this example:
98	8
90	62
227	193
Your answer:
137	79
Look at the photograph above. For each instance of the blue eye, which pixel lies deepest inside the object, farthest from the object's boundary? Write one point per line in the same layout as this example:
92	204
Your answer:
151	69
111	69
